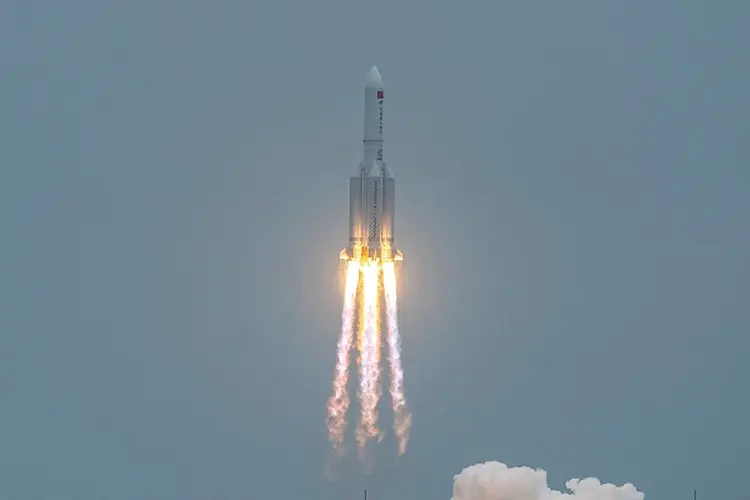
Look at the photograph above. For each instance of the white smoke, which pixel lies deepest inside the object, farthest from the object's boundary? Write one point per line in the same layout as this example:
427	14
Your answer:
497	481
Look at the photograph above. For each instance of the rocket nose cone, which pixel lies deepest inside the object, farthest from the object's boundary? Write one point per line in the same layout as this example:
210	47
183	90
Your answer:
373	78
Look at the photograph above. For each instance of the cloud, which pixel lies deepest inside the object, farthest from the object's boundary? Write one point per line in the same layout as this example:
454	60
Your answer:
497	481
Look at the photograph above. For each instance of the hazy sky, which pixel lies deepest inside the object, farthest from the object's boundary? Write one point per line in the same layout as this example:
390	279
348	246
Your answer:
573	201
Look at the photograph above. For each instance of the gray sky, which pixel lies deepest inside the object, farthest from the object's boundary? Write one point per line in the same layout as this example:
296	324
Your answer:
573	195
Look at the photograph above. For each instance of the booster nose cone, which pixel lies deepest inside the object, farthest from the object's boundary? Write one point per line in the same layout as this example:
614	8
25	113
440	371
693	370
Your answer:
373	79
374	171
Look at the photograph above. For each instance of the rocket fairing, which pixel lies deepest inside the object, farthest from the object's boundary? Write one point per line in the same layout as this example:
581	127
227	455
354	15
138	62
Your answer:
372	191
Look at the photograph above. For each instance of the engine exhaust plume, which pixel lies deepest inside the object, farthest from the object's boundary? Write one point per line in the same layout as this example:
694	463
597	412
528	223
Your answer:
369	389
338	403
402	416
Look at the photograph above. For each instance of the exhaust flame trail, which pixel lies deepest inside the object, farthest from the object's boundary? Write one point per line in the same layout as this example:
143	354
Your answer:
402	419
369	391
368	303
338	403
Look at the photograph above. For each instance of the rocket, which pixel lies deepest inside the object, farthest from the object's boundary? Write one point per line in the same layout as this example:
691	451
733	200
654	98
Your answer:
372	191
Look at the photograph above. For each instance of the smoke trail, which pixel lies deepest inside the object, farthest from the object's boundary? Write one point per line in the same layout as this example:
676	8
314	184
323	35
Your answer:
339	400
402	416
370	377
497	481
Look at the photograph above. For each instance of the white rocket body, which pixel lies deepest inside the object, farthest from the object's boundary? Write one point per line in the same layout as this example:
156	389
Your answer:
372	191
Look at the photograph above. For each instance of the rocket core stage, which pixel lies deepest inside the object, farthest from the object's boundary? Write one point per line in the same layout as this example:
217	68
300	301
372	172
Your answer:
372	192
